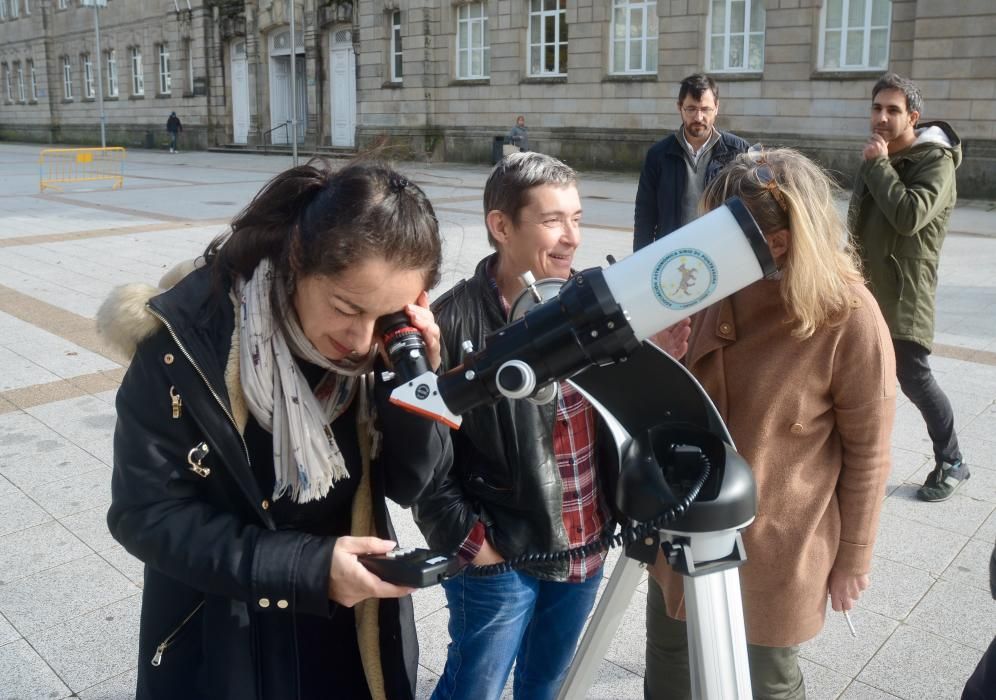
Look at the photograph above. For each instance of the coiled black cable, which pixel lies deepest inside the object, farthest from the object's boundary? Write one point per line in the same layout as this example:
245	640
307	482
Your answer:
625	536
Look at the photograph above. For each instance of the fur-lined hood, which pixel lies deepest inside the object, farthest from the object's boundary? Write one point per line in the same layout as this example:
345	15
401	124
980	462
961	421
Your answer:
124	319
937	134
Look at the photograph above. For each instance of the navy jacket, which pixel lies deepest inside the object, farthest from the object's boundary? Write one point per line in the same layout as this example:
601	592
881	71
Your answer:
662	185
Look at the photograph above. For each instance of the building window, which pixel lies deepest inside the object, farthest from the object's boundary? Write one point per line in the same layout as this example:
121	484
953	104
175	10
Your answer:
34	80
20	81
63	4
112	73
67	78
87	75
188	50
854	34
473	50
6	82
164	79
547	37
27	7
634	36
15	9
3	9
137	79
397	63
736	36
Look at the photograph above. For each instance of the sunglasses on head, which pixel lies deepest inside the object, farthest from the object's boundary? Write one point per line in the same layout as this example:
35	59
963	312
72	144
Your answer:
765	176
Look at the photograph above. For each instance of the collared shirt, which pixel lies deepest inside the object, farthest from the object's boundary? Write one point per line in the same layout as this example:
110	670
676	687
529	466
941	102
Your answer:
696	167
696	153
585	513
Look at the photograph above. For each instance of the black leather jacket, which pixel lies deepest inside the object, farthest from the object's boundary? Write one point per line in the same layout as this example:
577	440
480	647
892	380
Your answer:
662	185
504	469
223	586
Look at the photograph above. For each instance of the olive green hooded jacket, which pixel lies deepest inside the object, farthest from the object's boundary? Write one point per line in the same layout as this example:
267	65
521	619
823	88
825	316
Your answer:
899	216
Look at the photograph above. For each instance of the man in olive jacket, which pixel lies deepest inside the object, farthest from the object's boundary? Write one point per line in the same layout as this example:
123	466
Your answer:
903	196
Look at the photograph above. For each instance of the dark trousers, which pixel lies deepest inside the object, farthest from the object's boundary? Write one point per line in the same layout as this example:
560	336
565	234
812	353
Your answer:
774	671
920	387
982	684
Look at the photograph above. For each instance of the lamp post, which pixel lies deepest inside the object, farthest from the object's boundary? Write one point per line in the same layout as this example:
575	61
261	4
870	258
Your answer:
97	4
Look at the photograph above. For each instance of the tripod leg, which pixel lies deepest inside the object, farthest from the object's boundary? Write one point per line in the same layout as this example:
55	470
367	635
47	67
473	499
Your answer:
717	643
601	628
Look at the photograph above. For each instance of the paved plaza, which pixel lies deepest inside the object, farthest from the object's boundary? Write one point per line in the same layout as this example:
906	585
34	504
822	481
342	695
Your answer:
70	595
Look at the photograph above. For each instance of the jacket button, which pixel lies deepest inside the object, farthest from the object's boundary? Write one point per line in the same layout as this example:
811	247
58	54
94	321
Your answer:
725	328
282	604
265	504
168	358
264	602
796	428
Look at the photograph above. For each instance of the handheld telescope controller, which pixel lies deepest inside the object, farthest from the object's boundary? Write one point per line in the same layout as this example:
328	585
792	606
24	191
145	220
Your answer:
600	315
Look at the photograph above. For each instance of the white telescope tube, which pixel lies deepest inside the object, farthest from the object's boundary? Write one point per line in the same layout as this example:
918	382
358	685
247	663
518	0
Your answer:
600	315
693	267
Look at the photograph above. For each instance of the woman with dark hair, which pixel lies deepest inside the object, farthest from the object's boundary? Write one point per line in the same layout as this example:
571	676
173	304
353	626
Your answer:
253	448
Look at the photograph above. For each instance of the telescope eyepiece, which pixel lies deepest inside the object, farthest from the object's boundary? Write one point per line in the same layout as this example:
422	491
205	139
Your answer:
404	344
516	379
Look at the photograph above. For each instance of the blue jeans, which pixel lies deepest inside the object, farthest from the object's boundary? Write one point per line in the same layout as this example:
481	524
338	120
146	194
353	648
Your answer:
498	620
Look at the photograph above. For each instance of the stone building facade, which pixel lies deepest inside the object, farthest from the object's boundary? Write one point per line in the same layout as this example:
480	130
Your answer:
222	65
791	72
151	62
595	79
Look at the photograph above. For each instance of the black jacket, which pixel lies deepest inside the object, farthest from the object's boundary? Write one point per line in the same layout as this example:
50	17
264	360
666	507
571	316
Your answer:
173	124
504	469
223	586
662	185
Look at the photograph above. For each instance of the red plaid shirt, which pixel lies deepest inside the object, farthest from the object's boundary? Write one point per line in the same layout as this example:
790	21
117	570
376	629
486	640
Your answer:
584	509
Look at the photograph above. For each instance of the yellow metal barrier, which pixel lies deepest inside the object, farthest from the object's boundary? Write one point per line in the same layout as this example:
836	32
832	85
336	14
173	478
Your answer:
61	165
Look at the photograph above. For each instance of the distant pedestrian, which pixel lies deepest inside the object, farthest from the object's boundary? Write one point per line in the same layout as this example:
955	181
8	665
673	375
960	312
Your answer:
902	201
173	128
518	135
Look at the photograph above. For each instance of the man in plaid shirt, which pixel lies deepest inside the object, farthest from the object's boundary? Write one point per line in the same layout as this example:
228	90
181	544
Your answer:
526	478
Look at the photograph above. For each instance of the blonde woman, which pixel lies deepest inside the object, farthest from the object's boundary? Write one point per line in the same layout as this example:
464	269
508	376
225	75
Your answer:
801	369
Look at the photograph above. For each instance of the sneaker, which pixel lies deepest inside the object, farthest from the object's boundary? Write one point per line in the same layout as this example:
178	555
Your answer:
943	481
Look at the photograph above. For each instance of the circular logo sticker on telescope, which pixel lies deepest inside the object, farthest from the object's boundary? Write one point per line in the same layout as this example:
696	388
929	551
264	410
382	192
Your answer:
683	278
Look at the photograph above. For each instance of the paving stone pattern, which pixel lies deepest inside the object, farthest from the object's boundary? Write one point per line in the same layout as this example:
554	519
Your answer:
70	595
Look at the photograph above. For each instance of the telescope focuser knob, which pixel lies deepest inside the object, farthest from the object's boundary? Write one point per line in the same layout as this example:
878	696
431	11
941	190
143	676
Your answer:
528	280
545	394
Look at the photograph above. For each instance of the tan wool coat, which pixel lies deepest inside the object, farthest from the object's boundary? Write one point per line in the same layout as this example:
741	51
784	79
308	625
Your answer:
813	418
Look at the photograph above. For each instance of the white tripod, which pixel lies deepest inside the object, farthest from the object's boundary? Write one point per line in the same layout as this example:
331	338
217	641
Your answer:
704	545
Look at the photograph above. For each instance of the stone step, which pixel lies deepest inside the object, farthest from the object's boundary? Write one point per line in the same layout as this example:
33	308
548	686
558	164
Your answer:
283	149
